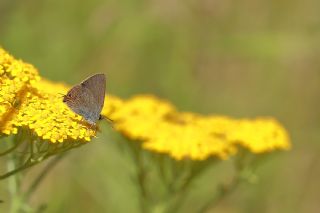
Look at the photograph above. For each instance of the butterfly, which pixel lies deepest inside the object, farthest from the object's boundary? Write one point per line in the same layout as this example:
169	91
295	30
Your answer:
87	98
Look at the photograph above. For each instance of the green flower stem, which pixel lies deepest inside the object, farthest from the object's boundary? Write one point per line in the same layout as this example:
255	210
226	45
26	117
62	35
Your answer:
28	164
178	177
41	176
137	156
141	178
13	185
16	145
196	170
241	165
38	156
16	201
223	191
38	152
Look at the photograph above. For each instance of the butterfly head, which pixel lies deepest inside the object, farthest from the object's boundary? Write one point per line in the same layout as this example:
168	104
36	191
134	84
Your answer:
70	96
66	98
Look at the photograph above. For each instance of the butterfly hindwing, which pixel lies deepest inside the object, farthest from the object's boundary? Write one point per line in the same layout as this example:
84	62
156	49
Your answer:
80	100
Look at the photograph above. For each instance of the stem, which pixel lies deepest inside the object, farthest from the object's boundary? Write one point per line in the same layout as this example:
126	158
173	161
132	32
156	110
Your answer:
178	180
29	163
41	176
196	170
14	186
226	189
11	149
19	169
141	177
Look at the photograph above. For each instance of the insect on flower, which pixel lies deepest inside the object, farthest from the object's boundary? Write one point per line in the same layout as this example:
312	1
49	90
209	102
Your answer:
87	98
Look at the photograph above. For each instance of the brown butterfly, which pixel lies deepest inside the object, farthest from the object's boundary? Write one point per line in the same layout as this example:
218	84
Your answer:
87	98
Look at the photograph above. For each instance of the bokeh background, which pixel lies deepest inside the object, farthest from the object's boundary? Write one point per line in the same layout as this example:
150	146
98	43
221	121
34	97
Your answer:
238	58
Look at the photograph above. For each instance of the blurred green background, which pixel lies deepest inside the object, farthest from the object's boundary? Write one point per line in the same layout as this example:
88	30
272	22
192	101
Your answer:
237	58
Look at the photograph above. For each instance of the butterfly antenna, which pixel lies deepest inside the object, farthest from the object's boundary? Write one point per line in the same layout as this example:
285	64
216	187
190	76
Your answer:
110	121
102	117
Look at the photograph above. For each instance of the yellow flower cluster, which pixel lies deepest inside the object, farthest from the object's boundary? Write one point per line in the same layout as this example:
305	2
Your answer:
186	135
30	102
16	78
26	101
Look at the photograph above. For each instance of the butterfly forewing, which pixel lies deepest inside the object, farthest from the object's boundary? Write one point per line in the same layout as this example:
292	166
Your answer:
97	86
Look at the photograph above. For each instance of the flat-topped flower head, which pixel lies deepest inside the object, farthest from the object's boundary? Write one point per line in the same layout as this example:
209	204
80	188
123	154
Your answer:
163	129
191	136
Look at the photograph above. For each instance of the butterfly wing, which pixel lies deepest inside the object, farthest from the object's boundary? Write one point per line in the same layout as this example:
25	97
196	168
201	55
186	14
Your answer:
97	86
81	100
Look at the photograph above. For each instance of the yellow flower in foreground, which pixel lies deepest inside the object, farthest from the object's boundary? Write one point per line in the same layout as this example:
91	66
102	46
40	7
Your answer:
49	118
35	104
16	78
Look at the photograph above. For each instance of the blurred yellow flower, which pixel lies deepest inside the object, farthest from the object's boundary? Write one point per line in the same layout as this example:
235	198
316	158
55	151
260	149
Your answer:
186	135
260	135
26	101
